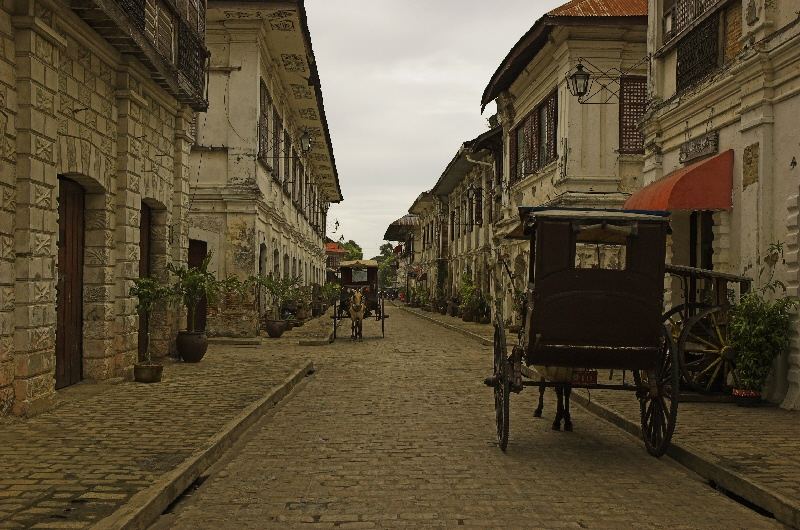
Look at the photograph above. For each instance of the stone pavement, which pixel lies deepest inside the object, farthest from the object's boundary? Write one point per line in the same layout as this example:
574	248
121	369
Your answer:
757	447
400	432
74	465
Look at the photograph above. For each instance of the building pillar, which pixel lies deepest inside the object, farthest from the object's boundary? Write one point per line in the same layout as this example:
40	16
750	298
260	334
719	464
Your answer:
36	215
792	280
8	177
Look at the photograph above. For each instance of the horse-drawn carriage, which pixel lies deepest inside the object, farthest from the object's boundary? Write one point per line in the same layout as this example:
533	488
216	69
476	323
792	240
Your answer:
359	279
595	300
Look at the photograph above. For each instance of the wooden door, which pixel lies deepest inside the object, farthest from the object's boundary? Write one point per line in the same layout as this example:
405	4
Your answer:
144	270
69	304
197	253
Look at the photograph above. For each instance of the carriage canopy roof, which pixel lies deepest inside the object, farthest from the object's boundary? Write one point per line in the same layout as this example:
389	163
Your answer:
529	214
359	263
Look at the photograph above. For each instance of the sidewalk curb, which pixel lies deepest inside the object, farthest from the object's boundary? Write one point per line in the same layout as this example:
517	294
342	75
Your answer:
785	510
147	505
474	336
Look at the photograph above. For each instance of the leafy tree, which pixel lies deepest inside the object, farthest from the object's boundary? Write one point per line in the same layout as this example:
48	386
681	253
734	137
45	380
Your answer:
354	250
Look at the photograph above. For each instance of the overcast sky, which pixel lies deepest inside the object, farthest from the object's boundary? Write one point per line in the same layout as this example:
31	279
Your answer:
402	82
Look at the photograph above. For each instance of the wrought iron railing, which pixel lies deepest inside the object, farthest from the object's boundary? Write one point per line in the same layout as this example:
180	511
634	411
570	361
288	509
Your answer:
135	11
698	54
683	14
192	58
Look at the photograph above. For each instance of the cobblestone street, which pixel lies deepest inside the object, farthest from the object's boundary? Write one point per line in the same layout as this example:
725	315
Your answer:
400	432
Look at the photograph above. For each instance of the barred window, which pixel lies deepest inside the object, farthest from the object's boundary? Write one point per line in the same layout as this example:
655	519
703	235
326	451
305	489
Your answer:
277	125
452	225
533	142
479	206
698	53
632	103
286	172
265	105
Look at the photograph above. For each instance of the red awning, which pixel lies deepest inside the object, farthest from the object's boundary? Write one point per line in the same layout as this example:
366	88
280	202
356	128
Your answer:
704	185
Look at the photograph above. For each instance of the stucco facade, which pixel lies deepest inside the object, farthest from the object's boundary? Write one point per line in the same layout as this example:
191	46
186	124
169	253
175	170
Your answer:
77	112
258	201
744	96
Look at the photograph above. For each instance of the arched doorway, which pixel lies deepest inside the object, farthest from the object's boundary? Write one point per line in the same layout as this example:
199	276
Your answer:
198	250
69	296
145	269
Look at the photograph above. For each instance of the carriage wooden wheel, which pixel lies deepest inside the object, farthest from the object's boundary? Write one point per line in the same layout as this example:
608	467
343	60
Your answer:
706	354
502	386
658	403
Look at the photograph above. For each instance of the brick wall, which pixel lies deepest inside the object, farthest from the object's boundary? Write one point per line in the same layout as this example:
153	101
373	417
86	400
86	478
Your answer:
733	31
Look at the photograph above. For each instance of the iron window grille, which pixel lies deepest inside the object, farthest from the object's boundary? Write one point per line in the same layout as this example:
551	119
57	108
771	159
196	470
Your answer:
632	104
682	14
265	105
698	53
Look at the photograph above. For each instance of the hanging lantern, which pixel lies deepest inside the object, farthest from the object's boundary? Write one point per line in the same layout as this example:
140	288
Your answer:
579	81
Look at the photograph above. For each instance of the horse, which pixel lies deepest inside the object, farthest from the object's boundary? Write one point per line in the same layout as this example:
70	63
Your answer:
357	308
563	378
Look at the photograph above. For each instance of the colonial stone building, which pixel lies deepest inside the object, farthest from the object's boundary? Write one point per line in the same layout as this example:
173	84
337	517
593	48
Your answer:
559	150
263	169
406	231
95	106
723	142
466	193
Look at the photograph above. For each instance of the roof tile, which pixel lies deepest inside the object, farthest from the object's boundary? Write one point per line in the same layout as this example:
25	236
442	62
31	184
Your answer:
601	8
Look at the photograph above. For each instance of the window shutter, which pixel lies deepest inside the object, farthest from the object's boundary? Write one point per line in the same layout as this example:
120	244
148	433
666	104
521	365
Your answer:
552	125
166	33
632	102
512	155
533	143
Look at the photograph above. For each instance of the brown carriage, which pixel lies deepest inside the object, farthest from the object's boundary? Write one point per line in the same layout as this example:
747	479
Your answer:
594	301
362	275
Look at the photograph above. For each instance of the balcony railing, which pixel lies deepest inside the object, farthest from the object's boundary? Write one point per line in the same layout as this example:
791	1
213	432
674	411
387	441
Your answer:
683	14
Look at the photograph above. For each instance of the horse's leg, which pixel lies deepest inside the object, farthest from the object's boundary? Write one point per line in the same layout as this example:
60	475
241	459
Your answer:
538	412
360	329
352	328
559	407
567	418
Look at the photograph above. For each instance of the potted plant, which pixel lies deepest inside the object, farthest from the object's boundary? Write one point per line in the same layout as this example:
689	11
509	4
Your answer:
760	330
191	285
469	295
148	292
280	291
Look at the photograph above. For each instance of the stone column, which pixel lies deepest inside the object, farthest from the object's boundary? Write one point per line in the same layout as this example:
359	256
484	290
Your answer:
8	111
792	279
130	106
36	217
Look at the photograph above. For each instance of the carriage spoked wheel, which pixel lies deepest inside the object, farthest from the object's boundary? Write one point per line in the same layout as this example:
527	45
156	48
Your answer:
677	317
502	386
658	402
705	349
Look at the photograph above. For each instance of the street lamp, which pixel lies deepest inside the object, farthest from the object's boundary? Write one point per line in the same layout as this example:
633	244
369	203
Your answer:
305	141
579	81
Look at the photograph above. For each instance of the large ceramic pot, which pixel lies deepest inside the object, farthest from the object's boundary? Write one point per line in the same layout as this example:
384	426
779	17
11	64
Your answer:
192	345
467	316
452	309
275	328
147	373
302	313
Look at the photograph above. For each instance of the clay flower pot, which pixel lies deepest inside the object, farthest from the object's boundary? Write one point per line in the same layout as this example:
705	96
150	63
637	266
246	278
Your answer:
147	373
192	345
746	398
275	328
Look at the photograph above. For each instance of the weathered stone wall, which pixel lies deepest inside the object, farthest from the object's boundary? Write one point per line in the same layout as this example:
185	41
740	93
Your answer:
84	112
8	111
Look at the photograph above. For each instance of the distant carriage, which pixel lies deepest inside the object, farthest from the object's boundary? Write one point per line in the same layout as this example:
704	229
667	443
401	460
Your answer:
361	275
